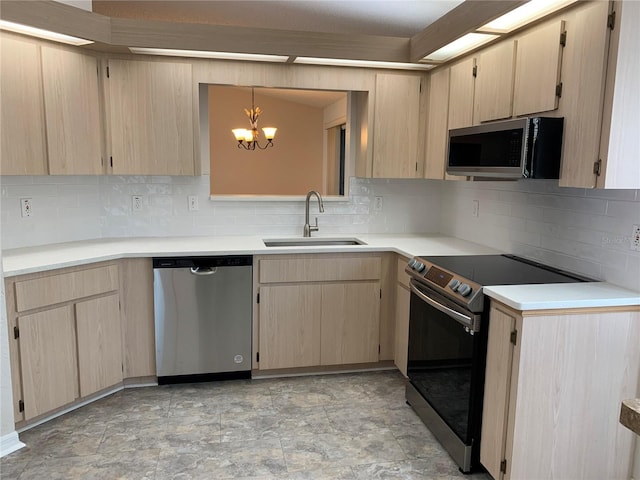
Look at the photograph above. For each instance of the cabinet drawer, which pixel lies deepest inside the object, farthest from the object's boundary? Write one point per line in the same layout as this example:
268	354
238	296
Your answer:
319	269
403	278
53	289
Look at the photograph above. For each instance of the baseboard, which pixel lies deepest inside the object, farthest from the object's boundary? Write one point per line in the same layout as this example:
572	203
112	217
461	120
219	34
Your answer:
9	443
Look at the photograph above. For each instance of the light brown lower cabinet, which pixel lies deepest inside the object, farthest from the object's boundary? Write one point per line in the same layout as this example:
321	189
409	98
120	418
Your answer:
403	300
554	383
316	310
289	326
99	343
72	331
48	359
350	323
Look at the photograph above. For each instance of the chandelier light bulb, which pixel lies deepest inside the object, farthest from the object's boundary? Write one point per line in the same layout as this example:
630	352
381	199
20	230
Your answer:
269	132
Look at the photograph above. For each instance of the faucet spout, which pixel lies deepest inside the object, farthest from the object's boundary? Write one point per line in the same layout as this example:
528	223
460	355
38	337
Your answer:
307	227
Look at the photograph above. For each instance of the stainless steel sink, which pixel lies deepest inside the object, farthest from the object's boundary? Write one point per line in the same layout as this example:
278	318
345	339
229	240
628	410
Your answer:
311	242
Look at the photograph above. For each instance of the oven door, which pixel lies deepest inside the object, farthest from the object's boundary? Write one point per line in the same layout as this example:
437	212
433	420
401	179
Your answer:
446	362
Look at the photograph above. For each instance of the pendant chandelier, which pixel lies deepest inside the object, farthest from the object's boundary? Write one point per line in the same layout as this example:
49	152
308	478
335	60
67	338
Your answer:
248	138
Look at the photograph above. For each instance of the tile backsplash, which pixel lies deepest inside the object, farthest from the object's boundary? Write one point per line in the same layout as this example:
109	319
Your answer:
581	230
585	231
68	208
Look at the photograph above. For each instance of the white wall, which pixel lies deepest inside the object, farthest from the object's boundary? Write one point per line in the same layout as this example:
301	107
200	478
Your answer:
585	231
83	207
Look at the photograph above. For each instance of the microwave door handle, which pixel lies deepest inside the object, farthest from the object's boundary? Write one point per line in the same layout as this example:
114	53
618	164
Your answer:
463	319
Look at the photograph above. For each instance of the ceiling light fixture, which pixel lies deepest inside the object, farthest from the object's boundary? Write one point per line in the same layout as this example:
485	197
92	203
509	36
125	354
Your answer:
524	14
458	47
341	62
250	136
40	33
254	57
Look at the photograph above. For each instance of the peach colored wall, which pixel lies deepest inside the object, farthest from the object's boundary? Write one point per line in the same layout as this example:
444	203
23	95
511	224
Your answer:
292	167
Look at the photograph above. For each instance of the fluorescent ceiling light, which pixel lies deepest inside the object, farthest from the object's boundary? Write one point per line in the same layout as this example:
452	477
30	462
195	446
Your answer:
40	33
205	54
341	62
524	14
459	46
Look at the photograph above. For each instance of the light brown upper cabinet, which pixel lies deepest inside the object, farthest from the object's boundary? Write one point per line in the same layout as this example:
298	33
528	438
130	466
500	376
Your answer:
437	128
537	75
151	118
72	111
461	93
51	121
396	126
601	67
620	145
21	99
494	82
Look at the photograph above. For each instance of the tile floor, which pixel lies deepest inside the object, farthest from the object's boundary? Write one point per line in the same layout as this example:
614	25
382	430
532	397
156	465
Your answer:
346	426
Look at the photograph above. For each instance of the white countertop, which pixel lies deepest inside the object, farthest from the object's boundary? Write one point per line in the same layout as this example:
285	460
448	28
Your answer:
563	295
20	261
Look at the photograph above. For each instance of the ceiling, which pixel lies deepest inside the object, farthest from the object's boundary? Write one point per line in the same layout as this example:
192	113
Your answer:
402	32
399	18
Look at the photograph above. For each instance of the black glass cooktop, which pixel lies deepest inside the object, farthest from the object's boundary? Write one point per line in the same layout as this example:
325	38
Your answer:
503	270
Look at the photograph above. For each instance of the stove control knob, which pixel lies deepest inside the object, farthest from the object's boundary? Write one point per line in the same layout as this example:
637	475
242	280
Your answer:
454	284
412	263
465	290
419	267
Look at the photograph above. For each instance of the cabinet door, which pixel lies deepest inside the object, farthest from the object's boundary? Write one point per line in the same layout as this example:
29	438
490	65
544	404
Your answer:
289	326
461	93
99	343
496	391
138	329
72	106
437	130
350	324
538	64
494	82
48	359
151	118
583	78
403	300
23	150
396	124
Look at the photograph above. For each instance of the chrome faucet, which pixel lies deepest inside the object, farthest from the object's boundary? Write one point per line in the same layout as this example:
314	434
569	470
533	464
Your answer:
311	228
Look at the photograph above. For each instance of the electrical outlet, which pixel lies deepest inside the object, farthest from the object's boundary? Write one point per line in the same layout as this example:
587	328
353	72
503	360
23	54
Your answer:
26	207
136	203
378	203
635	238
475	208
193	203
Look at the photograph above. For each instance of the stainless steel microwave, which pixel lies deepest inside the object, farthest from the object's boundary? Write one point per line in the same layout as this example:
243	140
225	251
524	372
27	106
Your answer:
529	147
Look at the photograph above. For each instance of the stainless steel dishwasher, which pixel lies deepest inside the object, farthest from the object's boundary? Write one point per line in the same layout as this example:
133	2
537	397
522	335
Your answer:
202	318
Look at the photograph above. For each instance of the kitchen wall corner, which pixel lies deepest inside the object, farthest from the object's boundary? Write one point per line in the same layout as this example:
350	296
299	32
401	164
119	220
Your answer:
9	441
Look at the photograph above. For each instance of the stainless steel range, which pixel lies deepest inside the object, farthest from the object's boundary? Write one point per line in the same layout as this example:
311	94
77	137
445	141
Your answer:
448	329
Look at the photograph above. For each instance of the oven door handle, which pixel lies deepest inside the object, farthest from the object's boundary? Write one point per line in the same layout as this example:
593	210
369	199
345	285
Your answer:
467	321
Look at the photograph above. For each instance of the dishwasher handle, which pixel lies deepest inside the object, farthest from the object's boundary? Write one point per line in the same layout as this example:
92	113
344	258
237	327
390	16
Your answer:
203	270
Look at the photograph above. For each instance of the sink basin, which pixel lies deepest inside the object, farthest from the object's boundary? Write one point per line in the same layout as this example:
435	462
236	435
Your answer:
311	242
